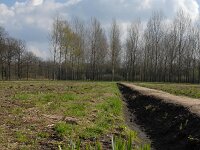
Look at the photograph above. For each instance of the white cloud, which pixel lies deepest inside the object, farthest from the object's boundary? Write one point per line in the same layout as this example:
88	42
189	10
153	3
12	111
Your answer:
36	2
38	49
189	6
31	20
170	7
145	5
72	2
5	14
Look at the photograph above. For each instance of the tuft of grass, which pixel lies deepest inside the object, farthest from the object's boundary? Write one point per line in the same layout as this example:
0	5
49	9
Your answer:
145	147
43	134
92	132
76	110
118	143
17	111
21	137
68	97
22	96
63	129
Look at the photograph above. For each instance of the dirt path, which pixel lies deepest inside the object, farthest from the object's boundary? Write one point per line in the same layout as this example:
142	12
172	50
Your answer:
171	122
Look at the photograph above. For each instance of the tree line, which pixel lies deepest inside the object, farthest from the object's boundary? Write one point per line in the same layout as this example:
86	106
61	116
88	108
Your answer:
16	63
160	50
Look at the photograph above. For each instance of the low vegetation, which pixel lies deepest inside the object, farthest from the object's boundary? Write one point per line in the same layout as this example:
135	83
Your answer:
61	115
190	90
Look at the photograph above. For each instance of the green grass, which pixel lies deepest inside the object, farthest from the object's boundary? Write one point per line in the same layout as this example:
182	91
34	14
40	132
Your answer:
34	114
64	129
21	137
118	143
189	90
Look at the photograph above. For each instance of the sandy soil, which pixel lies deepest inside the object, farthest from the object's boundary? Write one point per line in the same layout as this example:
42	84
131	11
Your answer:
190	103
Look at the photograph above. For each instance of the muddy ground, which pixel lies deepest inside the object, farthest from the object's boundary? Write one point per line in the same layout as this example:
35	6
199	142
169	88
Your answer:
169	126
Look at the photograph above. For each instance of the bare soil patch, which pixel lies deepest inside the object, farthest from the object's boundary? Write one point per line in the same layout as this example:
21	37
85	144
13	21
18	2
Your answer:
171	122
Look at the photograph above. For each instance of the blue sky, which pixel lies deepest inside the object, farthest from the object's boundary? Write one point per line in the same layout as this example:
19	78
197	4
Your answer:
31	20
11	2
8	2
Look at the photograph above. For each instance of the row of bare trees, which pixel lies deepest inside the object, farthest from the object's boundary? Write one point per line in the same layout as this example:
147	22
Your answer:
159	50
83	52
164	51
16	62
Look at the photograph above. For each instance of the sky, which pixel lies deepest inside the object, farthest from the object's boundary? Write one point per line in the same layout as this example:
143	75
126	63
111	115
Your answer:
31	20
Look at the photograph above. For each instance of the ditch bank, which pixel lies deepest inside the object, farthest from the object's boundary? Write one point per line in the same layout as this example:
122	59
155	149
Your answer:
170	122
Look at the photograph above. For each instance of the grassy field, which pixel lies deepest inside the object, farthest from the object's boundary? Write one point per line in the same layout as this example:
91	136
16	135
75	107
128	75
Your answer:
59	115
189	90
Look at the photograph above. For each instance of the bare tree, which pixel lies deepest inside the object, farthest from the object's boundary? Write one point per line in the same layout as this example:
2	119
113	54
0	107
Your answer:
153	37
19	51
98	48
115	46
132	48
54	40
3	36
28	59
80	31
11	46
181	22
197	52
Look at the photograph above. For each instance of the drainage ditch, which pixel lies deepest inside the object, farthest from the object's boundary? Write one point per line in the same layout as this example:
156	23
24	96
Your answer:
168	126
